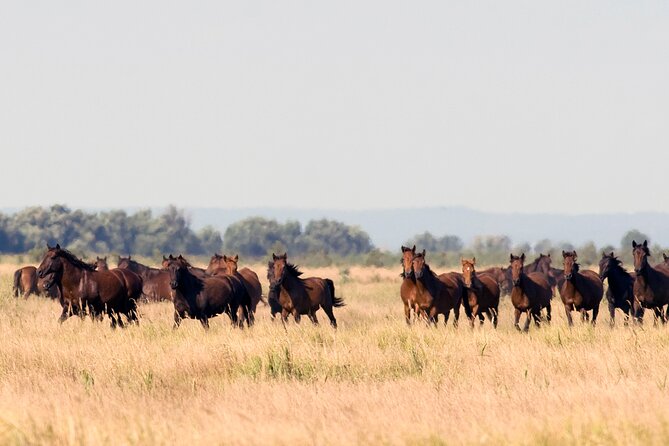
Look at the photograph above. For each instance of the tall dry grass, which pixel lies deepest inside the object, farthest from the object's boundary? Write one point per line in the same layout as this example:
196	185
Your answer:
373	381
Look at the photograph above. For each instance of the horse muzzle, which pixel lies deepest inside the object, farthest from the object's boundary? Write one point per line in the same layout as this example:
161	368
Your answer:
568	276
516	282
637	272
40	274
174	284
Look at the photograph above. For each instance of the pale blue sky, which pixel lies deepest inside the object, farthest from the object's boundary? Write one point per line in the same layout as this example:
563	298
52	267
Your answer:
503	106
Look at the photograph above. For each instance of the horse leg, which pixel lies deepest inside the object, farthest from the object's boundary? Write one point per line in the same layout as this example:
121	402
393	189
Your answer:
528	313
333	321
472	315
481	318
494	317
312	317
204	320
516	317
658	314
64	314
177	320
112	319
297	316
407	313
548	313
595	312
612	314
284	316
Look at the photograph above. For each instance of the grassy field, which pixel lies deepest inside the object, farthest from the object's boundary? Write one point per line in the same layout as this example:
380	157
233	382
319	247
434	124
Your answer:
373	381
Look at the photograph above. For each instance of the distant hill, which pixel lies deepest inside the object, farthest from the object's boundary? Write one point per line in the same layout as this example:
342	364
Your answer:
389	228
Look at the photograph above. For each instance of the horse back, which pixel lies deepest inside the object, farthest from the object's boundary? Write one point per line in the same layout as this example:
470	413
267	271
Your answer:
252	284
452	289
538	289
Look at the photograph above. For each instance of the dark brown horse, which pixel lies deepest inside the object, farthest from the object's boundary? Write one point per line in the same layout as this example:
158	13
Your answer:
82	288
100	264
482	293
408	287
436	294
155	282
620	293
202	298
298	296
222	264
272	295
582	290
651	287
531	293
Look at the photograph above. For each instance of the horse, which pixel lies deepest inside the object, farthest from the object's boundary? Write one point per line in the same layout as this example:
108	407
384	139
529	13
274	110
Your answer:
202	298
620	293
651	287
408	287
272	296
25	281
500	275
482	293
82	288
665	263
155	282
100	264
582	290
531	293
436	294
298	296
199	272
222	264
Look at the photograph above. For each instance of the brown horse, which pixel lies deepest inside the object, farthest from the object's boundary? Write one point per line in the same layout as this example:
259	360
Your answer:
436	294
408	287
651	287
272	295
222	264
502	278
665	263
100	264
620	292
25	281
482	293
82	288
155	282
531	293
298	296
202	298
582	290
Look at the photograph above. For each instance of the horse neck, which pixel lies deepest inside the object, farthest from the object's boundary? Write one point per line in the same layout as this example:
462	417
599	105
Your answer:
429	281
71	276
619	279
291	283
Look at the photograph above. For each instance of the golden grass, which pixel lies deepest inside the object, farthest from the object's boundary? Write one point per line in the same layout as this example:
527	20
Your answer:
373	381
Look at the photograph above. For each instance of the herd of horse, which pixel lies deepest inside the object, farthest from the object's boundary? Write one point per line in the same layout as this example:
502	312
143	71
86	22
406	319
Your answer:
531	287
95	290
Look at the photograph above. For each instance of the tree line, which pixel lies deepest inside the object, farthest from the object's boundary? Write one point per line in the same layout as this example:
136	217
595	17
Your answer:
318	242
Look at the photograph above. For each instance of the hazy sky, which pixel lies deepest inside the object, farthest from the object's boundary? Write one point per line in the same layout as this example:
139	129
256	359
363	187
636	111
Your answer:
500	105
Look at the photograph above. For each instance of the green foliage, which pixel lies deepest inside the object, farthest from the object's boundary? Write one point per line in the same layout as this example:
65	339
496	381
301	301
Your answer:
258	237
115	231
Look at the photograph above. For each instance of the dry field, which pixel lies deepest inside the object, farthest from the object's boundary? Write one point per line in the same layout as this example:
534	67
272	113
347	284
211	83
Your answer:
374	381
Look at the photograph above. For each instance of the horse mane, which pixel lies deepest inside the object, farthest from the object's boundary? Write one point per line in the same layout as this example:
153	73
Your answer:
293	270
67	255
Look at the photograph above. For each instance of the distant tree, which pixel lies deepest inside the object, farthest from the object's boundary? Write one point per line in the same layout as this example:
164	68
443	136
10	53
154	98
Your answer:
544	246
210	240
634	234
427	241
336	238
587	254
254	236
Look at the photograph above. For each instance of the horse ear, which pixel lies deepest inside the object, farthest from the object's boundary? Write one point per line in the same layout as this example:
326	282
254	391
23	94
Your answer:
129	257
462	260
105	259
564	254
236	258
548	255
225	258
645	243
510	257
575	255
423	253
57	245
474	260
274	257
522	257
285	255
612	254
164	258
633	243
413	249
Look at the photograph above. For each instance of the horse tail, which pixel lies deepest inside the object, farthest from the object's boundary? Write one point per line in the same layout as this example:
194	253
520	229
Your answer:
336	301
17	282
